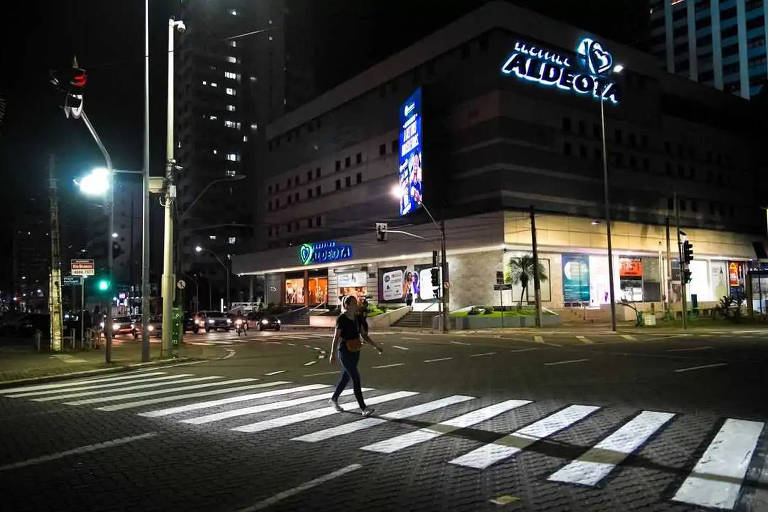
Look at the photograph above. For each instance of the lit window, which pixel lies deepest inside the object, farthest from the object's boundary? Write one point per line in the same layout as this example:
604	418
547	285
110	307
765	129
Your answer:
215	151
245	138
231	174
214	84
213	118
230	124
212	237
233	157
205	82
232	240
230	75
233	12
254	126
233	44
231	91
230	108
252	78
231	59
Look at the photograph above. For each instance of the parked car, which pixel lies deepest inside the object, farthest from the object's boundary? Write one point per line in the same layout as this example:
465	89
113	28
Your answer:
154	327
211	321
263	321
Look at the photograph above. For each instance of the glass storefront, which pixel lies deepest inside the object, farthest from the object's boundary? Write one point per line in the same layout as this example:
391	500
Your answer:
353	283
318	290
294	291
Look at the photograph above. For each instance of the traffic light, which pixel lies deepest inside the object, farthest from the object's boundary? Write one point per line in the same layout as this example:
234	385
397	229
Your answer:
381	231
102	285
686	276
71	82
687	251
435	275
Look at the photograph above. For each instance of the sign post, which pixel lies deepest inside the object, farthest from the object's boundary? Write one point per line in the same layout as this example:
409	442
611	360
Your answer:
82	311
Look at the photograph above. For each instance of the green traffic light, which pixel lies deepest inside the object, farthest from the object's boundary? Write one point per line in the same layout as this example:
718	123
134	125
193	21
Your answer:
103	285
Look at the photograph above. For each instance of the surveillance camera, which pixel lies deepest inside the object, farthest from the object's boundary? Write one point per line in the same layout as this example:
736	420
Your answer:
181	27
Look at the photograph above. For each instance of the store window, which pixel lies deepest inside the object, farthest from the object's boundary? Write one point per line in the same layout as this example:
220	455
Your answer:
352	283
318	289
631	278
294	291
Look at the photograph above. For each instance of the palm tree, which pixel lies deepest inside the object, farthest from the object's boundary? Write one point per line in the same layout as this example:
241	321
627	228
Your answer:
521	271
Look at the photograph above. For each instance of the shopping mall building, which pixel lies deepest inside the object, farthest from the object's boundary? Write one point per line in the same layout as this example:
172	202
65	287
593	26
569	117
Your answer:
508	105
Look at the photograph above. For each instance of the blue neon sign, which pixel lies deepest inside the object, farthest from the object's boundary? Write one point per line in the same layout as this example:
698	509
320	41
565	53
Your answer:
410	160
554	69
324	252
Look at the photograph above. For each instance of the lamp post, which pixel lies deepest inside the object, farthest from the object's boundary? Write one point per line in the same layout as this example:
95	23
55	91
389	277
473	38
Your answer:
145	255
199	249
617	69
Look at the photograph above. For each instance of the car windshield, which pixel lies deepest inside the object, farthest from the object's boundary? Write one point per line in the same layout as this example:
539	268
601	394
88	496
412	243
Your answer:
123	320
215	314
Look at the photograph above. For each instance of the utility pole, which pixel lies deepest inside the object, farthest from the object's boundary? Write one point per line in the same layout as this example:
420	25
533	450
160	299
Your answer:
145	201
669	275
680	264
54	283
444	281
608	218
536	280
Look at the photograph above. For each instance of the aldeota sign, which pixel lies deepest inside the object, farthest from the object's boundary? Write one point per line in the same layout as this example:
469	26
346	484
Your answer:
324	252
589	77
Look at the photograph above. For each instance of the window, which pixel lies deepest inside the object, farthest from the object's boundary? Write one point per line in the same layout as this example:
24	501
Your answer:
296	197
290	198
233	12
254	126
632	139
348	181
309	222
667	147
347	162
233	157
269	230
317	172
277	187
338	184
231	91
582	128
231	59
359	158
596	131
232	44
289	182
694	206
644	141
583	151
359	177
309	193
646	164
211	237
288	226
214	84
632	161
338	165
680	171
382	149
232	124
231	75
277	203
213	118
567	124
617	135
317	190
269	205
309	175
230	108
269	189
567	148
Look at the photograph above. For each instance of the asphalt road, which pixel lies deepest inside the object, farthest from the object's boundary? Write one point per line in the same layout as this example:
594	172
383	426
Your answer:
559	421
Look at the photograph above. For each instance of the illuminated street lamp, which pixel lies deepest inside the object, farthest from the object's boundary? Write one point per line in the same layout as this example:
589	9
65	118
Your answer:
97	183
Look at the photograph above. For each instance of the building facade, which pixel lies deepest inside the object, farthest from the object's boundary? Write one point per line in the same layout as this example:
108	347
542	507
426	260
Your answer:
721	43
511	118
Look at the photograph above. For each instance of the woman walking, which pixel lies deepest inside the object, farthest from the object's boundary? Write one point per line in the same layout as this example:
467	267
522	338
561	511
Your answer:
346	339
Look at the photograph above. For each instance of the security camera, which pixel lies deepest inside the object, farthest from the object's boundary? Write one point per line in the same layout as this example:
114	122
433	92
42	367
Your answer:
180	27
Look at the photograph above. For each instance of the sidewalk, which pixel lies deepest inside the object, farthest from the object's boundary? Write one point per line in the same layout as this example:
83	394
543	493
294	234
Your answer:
18	361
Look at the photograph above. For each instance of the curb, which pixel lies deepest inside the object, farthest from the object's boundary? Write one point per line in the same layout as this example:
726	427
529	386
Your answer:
98	371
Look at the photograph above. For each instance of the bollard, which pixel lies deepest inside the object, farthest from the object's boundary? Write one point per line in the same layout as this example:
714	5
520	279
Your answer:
38	337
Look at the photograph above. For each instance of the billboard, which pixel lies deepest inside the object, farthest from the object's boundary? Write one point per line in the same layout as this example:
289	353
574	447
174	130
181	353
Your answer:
575	278
410	160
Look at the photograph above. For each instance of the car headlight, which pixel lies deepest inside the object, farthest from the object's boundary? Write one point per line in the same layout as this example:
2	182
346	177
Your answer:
265	321
151	328
229	321
115	327
101	324
211	321
133	326
278	320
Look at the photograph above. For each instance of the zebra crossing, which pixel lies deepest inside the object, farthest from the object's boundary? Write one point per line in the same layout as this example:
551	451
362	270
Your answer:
715	480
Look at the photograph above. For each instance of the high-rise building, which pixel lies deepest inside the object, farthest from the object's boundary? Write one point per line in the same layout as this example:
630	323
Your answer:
716	42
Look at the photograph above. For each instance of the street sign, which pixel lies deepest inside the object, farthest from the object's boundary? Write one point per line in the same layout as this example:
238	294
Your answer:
82	267
498	287
181	284
70	280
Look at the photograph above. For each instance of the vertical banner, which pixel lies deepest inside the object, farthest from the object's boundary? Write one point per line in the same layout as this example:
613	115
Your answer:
736	277
410	162
575	278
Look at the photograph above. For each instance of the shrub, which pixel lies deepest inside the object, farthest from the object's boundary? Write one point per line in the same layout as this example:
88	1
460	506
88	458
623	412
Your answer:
474	311
487	310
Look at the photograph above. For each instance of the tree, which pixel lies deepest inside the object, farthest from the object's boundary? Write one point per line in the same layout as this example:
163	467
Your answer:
521	271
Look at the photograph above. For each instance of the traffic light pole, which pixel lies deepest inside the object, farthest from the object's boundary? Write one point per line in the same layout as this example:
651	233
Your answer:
145	201
681	264
443	269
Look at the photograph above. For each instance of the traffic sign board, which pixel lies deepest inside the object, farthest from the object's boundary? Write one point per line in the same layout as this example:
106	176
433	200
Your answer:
82	267
181	284
70	280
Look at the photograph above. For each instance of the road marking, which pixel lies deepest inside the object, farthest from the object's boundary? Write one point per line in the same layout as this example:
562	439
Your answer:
129	388
716	479
407	338
291	344
566	362
274	373
97	386
597	462
174	398
679	370
274	342
200	343
310	363
77	451
363	424
688	349
65	358
425	434
517	441
321	373
438	359
628	337
584	339
525	349
538	339
140	394
234	413
231	400
301	488
77	382
401	348
458	343
483	354
317	413
388	365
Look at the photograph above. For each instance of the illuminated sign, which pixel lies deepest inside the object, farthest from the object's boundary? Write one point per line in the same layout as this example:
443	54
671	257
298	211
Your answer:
410	161
585	75
324	252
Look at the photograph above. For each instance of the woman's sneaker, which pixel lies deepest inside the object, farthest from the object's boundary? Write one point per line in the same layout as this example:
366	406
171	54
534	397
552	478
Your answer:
335	404
367	412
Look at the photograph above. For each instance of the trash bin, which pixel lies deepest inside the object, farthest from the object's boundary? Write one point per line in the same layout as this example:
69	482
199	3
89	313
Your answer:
649	319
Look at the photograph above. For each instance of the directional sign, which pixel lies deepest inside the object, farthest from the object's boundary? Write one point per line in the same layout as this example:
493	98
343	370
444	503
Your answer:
498	287
70	280
82	267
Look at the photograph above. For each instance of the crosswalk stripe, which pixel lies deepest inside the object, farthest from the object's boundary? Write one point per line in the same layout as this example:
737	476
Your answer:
513	443
98	386
584	339
597	462
425	434
628	337
118	390
717	477
538	339
163	391
76	382
230	400
152	401
218	416
316	413
363	424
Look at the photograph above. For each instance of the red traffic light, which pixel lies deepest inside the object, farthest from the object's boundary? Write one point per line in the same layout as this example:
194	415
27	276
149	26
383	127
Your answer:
78	78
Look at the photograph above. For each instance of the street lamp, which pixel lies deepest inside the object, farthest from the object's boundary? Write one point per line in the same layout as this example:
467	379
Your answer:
199	249
616	69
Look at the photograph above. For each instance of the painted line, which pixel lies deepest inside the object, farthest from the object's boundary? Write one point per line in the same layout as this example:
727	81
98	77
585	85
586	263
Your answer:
97	386
513	443
185	396
200	343
425	434
680	370
716	479
689	349
291	344
71	383
388	365
141	394
274	373
310	363
234	413
538	339
566	362
119	390
483	354
459	343
231	400
317	413
308	346
321	373
412	339
261	505
628	337
274	342
597	462
77	451
438	359
230	353
363	424
584	339
525	349
401	348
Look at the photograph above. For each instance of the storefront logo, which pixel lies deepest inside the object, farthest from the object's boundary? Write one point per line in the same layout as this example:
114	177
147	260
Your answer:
553	69
324	252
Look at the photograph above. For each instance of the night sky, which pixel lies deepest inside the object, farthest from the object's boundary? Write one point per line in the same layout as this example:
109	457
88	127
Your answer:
108	39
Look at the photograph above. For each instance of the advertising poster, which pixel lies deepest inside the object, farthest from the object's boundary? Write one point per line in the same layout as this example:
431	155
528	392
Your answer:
575	278
391	281
736	277
720	279
407	282
410	161
631	278
352	283
422	285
